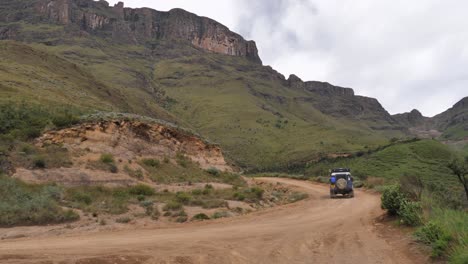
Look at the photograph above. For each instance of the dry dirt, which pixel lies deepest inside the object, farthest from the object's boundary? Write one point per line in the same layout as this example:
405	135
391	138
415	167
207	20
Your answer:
316	230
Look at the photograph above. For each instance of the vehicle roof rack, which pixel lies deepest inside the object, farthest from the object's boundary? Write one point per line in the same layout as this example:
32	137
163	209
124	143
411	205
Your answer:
341	170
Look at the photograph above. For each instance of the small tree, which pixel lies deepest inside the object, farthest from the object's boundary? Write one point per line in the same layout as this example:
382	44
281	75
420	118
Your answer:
460	169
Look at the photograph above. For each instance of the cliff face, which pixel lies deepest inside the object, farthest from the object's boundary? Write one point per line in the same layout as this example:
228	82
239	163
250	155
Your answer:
342	102
137	26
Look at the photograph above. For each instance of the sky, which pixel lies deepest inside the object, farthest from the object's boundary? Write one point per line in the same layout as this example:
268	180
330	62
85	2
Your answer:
407	54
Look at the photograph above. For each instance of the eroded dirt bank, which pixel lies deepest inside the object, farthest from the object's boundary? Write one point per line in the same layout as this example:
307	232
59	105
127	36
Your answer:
316	230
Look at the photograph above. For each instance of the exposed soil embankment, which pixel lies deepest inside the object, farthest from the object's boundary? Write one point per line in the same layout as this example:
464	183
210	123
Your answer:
126	144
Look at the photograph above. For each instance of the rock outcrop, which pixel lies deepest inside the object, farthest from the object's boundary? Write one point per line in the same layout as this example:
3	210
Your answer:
138	26
321	88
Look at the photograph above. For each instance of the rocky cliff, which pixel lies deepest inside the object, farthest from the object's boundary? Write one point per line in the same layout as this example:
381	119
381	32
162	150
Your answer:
342	102
129	26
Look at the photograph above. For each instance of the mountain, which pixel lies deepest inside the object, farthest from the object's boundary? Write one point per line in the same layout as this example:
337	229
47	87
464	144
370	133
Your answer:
190	70
454	121
449	125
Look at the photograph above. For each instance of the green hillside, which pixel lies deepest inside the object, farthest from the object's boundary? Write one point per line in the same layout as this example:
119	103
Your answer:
229	100
425	158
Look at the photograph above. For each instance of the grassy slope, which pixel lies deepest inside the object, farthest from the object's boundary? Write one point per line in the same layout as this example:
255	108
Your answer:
256	119
229	100
425	158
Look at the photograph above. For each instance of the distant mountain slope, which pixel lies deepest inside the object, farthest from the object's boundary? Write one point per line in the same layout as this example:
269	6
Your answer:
449	125
454	121
174	65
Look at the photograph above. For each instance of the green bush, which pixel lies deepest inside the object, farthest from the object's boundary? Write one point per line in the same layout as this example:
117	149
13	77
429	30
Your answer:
220	214
142	189
213	171
65	120
200	217
434	235
39	163
239	196
172	206
392	198
153	163
183	197
107	158
82	198
410	213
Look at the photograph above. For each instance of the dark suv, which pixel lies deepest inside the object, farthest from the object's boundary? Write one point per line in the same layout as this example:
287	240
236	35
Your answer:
341	182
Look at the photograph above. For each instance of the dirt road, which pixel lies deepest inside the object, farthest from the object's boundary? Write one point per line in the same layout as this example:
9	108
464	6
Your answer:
316	230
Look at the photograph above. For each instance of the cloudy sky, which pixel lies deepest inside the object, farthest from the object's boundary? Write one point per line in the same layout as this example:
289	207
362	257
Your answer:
407	54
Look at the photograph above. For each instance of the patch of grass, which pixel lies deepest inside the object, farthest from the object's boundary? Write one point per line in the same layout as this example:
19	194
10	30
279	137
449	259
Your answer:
422	158
107	158
99	199
23	204
173	206
153	163
141	189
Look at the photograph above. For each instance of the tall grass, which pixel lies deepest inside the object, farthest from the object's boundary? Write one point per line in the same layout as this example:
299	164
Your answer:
455	223
22	204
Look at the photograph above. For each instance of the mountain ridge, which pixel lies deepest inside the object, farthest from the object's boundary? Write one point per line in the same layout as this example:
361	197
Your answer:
260	118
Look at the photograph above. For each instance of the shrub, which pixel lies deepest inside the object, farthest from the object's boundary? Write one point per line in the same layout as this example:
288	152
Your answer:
213	171
200	217
434	235
410	213
153	163
107	158
258	192
197	192
82	198
239	196
172	206
392	198
39	163
220	214
65	120
183	197
142	189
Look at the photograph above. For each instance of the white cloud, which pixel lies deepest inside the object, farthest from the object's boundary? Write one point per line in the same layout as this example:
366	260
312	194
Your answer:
407	54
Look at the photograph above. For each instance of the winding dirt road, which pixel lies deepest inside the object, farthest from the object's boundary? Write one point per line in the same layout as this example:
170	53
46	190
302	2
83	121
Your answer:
316	230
